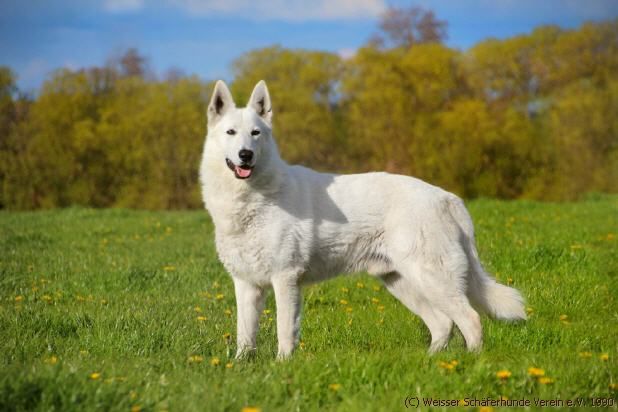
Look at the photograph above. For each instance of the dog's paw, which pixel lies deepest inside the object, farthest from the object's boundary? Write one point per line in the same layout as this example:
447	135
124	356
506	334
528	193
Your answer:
283	355
245	353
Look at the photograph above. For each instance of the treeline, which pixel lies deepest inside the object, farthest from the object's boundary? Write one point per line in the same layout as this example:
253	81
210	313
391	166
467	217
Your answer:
533	116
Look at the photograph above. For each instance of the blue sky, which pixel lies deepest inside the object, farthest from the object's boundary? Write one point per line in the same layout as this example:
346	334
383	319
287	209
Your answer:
203	37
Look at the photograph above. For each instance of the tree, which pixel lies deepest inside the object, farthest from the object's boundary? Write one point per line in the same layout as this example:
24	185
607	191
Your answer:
303	88
406	27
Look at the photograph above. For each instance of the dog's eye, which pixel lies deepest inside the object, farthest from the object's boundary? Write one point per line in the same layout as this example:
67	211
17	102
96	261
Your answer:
231	132
255	132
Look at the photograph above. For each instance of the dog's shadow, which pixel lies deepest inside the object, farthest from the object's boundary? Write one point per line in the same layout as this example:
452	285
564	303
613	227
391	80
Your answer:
316	204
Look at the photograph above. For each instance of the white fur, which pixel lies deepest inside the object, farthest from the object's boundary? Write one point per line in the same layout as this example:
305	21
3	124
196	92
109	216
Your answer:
289	225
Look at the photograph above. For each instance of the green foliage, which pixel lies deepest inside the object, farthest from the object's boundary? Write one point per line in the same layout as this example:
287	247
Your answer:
123	142
140	298
302	84
533	116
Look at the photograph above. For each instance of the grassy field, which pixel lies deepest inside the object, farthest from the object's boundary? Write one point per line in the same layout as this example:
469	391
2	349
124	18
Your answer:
127	310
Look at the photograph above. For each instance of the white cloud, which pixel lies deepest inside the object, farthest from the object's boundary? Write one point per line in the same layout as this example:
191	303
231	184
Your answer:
288	10
119	6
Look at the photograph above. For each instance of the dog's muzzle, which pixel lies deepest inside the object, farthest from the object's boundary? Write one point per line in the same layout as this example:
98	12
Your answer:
243	171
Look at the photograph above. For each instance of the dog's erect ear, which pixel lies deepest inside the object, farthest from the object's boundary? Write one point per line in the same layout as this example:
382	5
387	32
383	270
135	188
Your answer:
220	102
260	101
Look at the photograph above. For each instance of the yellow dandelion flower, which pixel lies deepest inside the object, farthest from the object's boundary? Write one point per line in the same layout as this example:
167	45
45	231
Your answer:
169	268
229	365
46	298
250	409
503	374
219	296
529	311
343	302
585	354
202	318
228	312
509	281
375	300
445	365
266	311
360	285
564	317
196	359
348	309
610	236
604	356
215	361
536	372
544	380
486	409
345	290
95	375
197	309
613	386
334	387
302	344
52	360
103	301
215	285
19	298
381	308
462	402
448	365
136	408
376	288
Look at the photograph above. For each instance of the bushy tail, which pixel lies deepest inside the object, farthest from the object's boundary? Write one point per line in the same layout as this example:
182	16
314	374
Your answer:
498	301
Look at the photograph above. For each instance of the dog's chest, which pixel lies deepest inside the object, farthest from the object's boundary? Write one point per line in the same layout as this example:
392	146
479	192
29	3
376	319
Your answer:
251	242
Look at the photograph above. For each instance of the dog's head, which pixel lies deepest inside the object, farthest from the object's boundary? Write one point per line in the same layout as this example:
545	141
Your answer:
241	136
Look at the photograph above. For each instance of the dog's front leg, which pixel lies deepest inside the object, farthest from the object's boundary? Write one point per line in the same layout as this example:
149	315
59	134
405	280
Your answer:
249	304
287	298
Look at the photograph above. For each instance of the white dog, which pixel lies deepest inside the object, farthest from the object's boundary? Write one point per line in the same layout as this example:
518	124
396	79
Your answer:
284	226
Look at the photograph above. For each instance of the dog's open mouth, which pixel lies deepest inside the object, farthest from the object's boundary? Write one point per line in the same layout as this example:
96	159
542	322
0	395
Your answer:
241	172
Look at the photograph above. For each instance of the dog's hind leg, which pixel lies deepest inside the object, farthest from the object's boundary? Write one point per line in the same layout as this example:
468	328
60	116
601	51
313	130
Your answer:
443	287
438	323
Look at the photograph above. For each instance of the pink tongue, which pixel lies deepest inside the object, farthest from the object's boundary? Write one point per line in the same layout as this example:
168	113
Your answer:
243	172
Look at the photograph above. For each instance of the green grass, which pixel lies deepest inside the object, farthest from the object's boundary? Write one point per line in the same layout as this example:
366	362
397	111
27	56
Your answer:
117	293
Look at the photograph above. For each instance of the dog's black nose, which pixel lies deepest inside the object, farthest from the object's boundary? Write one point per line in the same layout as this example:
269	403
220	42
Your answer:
245	155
